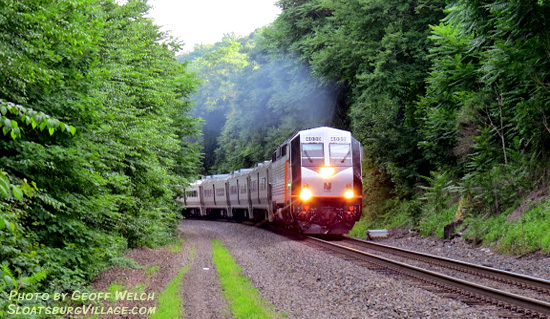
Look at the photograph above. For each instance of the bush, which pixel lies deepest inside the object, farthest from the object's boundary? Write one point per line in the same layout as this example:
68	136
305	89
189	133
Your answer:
360	228
483	229
434	223
530	233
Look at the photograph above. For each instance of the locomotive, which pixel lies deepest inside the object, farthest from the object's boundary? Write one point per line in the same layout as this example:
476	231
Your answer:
312	183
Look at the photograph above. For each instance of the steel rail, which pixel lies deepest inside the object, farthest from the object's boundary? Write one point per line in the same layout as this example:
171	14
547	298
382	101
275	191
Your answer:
515	302
524	281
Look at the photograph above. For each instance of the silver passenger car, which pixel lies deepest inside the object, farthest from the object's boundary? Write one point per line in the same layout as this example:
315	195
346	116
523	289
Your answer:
239	197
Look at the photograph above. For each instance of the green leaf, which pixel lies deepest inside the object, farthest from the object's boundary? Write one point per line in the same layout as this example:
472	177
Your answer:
3	109
52	123
51	130
10	281
4	188
73	130
6	224
38	117
17	192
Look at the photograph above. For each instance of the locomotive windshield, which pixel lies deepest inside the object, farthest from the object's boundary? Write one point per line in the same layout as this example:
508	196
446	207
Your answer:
340	154
313	154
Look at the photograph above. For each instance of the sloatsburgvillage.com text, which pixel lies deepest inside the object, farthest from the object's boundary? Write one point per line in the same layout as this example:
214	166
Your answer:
82	310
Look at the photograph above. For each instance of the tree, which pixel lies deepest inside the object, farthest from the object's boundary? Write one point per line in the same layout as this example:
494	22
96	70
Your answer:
103	72
217	66
252	99
486	104
377	51
14	243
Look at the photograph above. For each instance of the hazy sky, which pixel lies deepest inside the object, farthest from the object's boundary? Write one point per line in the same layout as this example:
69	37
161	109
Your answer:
206	21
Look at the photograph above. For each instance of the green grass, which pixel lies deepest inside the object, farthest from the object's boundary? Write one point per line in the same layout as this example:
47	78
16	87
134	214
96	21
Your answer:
150	270
113	288
433	224
395	214
531	232
124	262
139	288
169	301
176	246
244	299
192	253
360	228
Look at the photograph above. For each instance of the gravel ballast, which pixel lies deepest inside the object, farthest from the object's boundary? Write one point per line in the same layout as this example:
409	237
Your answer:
305	282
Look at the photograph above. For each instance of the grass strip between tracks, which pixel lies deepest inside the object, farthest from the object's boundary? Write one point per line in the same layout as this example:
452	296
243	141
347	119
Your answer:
169	301
244	299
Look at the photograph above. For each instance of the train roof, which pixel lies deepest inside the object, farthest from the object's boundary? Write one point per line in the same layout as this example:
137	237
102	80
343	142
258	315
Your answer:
312	130
262	164
194	184
241	172
215	177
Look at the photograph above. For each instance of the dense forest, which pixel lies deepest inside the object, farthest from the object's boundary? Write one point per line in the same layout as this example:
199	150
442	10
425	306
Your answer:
96	139
450	100
101	122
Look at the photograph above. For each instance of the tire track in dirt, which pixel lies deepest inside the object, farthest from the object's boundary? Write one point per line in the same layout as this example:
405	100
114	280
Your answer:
201	292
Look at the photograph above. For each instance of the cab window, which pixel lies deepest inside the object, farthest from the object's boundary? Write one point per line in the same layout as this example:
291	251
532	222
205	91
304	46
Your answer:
313	154
340	154
312	150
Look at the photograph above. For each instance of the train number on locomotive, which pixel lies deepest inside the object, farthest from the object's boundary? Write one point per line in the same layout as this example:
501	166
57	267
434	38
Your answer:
313	139
338	139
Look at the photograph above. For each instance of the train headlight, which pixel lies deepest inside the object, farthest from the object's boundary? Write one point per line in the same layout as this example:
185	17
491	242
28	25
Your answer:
348	194
326	171
306	194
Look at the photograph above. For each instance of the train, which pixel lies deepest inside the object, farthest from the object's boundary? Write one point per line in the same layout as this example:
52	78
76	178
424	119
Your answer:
313	183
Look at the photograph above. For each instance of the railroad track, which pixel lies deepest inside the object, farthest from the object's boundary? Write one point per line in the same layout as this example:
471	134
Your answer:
520	303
